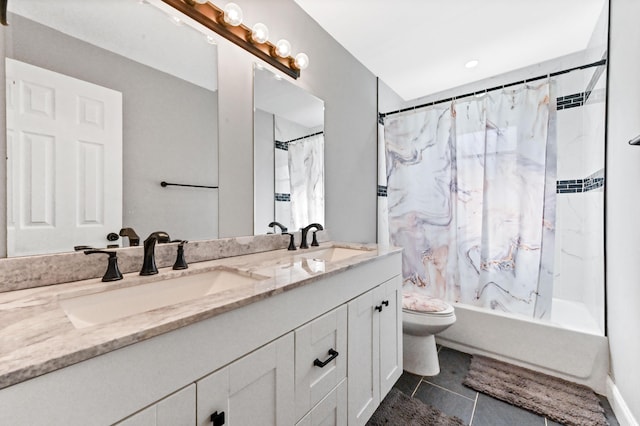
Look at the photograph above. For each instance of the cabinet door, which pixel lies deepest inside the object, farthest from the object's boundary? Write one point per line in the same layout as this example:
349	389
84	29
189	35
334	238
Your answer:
389	296
363	343
178	409
331	411
254	390
321	340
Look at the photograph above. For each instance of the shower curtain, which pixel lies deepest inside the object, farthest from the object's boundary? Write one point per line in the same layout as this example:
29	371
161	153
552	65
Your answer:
306	172
471	198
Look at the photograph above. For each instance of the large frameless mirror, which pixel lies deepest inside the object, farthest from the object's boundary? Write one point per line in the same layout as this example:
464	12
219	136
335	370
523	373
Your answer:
288	154
105	100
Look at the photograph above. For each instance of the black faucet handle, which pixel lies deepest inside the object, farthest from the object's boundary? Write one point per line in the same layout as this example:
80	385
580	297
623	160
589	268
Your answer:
314	242
292	243
113	272
181	262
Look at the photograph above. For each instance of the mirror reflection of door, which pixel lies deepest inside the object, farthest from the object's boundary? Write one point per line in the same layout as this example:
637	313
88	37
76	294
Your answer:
64	161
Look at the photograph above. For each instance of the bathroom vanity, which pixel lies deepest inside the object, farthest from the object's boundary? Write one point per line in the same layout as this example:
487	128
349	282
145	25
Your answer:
269	338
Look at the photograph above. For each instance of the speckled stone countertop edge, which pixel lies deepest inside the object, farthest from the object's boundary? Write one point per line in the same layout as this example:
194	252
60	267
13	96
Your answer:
50	342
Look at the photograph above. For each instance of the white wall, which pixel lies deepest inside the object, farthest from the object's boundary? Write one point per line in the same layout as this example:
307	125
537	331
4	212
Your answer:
349	92
623	201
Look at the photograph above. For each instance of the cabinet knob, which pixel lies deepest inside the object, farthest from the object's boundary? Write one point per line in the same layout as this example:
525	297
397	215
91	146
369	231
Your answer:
333	355
379	308
217	418
385	302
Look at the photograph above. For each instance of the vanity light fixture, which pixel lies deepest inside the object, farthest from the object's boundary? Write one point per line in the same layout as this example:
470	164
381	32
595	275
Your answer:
227	22
283	48
259	33
232	14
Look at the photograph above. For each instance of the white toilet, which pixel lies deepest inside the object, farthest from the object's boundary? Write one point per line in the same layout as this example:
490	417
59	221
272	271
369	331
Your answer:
422	318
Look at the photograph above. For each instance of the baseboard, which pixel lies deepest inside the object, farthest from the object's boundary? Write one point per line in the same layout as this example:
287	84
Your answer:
619	406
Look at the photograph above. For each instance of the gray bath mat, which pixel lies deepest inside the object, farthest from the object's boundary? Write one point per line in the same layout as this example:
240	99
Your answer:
397	409
558	400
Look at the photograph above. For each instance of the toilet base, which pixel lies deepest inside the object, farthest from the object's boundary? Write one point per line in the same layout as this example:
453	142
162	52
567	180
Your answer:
420	355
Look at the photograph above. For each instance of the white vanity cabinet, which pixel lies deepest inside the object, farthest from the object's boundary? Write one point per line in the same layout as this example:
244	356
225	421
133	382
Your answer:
255	363
375	348
256	389
178	409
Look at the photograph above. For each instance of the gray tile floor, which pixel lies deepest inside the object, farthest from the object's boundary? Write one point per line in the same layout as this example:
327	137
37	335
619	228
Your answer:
447	393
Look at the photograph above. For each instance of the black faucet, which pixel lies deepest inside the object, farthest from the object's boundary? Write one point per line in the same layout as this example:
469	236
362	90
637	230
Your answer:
113	273
134	239
305	231
149	261
283	228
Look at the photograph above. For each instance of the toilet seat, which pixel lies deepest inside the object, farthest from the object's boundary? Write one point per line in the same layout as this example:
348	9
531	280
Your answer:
420	304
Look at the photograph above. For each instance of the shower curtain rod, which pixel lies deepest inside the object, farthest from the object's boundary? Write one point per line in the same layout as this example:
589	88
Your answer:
553	74
302	137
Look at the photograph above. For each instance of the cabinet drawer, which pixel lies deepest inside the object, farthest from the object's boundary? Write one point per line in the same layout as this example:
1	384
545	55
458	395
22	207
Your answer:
331	411
314	341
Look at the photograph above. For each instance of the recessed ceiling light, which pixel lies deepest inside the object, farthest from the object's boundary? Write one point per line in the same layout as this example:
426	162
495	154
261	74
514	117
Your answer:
471	64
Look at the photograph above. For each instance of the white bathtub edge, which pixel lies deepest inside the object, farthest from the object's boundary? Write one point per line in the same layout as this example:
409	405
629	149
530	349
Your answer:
570	355
619	406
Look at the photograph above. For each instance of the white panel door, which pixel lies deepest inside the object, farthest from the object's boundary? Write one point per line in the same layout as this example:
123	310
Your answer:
64	161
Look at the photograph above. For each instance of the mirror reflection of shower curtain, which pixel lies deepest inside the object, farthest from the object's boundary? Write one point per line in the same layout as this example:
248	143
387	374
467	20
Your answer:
306	171
471	195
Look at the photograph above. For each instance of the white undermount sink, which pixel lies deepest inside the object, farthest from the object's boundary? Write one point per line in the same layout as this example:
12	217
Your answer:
333	254
99	308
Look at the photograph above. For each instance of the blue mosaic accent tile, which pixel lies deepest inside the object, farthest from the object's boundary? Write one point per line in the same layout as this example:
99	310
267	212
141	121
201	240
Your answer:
282	197
594	181
382	191
570	101
282	145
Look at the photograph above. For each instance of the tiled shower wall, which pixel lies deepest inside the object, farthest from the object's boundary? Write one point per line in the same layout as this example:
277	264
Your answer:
579	260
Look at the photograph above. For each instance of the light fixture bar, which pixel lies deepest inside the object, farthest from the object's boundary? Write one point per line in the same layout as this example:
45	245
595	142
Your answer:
212	17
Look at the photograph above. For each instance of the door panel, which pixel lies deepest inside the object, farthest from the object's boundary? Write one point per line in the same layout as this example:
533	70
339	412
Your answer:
64	161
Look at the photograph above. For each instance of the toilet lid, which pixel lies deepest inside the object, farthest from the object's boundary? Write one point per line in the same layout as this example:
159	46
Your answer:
418	302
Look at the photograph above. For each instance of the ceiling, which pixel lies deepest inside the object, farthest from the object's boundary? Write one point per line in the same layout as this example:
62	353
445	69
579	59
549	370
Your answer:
420	47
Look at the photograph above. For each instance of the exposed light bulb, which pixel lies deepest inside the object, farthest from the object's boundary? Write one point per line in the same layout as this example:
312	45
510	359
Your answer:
301	61
283	48
260	33
471	64
232	14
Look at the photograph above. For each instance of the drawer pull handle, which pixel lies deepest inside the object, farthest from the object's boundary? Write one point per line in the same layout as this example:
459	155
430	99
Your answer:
385	302
379	308
321	364
217	418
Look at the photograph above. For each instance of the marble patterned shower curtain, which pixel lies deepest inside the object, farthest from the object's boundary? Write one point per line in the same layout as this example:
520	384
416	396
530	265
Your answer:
306	172
469	198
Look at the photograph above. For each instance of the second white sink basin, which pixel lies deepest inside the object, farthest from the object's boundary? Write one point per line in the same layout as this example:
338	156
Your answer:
333	254
110	305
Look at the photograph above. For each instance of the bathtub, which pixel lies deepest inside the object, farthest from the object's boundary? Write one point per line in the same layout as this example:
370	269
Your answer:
570	351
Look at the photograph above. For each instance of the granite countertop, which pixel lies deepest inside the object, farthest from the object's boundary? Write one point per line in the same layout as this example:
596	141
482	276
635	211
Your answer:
37	336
